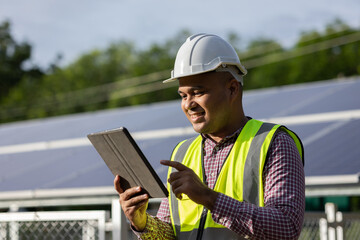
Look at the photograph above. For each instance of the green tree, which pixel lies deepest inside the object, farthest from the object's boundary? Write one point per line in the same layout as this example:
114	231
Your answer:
331	54
122	74
13	58
258	54
317	55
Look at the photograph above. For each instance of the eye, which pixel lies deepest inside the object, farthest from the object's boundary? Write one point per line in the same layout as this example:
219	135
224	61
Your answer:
183	96
198	93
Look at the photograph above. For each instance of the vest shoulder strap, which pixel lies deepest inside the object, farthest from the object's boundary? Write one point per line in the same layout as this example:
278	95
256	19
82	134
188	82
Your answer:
180	154
252	185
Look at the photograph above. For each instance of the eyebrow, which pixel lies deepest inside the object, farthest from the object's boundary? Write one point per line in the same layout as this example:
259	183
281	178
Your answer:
193	88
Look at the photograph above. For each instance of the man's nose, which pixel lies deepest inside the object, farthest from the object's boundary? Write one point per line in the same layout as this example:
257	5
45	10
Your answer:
189	103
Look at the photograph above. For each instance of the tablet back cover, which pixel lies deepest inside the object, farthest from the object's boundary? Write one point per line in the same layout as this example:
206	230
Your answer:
124	158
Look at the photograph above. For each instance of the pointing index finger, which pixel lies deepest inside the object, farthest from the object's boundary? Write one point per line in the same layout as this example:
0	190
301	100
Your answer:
178	166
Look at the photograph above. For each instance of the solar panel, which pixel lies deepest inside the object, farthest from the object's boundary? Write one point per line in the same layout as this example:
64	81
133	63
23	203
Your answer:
333	144
335	153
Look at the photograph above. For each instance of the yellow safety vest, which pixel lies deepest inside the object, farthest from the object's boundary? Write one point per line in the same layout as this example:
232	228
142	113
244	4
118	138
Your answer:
246	160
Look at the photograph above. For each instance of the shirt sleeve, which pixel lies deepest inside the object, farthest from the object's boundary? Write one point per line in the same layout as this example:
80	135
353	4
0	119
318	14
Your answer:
158	227
284	198
164	211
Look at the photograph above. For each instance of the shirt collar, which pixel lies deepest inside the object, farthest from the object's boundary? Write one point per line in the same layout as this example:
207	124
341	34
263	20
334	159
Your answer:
230	138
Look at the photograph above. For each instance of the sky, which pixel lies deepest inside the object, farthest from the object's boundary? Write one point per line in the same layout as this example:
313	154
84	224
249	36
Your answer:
74	27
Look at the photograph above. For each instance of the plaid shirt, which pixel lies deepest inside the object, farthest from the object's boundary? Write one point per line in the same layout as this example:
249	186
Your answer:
284	195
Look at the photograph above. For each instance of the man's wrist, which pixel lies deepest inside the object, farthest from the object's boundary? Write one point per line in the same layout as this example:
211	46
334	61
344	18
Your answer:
210	199
140	228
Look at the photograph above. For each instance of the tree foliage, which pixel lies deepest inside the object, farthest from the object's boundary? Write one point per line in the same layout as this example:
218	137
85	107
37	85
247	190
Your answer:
316	56
13	57
122	74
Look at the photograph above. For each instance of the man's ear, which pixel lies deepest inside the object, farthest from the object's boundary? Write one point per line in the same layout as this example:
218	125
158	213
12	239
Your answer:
234	87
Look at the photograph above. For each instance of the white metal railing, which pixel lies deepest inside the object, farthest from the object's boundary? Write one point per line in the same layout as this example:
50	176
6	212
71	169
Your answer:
88	225
94	225
331	228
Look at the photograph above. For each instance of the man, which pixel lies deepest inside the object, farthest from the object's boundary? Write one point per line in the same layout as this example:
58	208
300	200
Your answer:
240	178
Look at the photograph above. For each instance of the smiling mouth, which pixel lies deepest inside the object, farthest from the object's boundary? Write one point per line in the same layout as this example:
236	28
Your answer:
196	117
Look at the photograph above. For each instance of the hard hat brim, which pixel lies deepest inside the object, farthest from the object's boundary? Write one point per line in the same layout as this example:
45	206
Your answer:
237	76
172	79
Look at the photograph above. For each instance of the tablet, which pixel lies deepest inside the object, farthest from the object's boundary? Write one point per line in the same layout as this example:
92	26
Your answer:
124	158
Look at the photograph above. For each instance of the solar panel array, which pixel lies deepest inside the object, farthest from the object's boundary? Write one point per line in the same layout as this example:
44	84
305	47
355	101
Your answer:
331	146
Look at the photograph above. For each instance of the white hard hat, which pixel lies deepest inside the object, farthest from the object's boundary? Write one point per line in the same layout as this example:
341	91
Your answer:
203	53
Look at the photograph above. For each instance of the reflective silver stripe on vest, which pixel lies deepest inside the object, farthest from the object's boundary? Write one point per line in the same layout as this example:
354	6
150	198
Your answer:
251	169
179	156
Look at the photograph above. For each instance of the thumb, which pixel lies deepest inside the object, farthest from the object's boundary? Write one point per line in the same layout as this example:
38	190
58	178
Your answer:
117	184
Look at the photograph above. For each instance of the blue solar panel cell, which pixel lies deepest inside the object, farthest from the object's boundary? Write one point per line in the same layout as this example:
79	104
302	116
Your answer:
341	97
303	99
139	118
335	153
282	101
306	131
41	169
